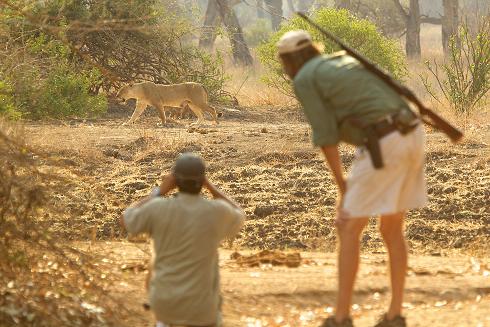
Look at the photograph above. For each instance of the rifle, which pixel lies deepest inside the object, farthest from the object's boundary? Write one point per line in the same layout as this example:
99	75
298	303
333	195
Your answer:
428	116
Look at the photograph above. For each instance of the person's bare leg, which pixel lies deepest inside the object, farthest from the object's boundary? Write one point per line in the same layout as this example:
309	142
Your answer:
392	231
348	262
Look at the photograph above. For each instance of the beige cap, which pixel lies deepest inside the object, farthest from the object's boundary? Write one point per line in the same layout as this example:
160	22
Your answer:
293	41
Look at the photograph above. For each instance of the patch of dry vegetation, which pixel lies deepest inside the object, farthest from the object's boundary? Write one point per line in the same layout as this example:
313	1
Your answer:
43	281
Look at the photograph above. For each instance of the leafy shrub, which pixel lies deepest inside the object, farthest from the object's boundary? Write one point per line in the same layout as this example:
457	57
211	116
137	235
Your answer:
384	14
464	76
57	86
134	41
358	33
66	94
7	104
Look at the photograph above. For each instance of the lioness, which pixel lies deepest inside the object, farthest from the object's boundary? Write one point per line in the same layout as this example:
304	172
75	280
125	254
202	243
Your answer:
181	95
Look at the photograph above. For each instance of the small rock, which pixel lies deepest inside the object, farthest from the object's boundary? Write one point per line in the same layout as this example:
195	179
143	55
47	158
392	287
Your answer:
111	153
263	130
458	244
264	211
138	185
450	189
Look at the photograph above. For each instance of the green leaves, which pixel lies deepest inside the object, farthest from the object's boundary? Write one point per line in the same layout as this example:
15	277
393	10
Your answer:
7	104
358	33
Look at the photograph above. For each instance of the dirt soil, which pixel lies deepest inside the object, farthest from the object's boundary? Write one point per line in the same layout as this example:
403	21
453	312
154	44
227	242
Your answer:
441	291
265	160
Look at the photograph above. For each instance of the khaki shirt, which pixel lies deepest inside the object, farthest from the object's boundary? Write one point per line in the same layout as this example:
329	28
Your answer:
186	232
333	88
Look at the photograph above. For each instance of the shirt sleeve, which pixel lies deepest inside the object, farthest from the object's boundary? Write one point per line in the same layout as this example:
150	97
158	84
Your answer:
320	116
231	219
139	220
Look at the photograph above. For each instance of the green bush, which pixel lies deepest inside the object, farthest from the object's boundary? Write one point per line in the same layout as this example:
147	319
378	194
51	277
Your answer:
58	86
138	40
7	104
358	33
67	94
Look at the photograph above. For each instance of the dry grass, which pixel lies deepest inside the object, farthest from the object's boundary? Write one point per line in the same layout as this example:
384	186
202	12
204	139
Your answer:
43	281
251	91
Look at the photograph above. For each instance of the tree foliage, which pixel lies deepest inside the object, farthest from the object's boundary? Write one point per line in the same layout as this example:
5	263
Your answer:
384	14
7	103
359	33
60	54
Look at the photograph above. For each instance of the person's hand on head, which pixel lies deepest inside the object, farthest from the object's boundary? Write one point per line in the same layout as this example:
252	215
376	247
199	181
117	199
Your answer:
168	184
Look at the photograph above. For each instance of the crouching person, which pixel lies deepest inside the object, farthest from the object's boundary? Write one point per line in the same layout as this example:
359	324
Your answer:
186	231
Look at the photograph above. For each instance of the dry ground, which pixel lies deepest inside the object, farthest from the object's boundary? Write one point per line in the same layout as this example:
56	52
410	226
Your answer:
264	159
440	290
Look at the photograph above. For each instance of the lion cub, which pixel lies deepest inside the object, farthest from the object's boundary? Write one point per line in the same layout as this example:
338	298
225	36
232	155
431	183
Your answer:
181	95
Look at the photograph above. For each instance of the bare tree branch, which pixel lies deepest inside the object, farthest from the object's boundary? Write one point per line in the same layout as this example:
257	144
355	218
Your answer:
404	12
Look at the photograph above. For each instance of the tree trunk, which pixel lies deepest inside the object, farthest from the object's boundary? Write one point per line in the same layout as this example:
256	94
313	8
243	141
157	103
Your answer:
211	22
260	9
241	53
413	31
304	5
291	6
343	4
274	7
450	22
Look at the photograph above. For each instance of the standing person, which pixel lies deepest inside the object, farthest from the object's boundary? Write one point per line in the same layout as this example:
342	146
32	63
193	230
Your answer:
344	102
186	231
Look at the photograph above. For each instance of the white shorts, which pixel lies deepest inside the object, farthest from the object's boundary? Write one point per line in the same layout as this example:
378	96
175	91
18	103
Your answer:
399	186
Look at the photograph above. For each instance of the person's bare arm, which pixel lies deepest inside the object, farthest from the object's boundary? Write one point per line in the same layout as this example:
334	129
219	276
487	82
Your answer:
168	184
333	159
217	194
332	156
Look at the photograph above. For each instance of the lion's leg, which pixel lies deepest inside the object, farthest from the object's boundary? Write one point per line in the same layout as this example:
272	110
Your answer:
213	112
161	113
138	110
185	110
198	112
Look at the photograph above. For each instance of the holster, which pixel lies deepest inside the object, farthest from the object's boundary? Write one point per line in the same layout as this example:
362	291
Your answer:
372	146
371	142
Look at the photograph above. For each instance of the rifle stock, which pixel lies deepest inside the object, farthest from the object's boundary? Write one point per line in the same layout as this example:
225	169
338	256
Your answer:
435	120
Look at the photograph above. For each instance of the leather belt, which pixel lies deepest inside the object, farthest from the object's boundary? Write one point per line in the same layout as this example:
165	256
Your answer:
384	127
389	124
